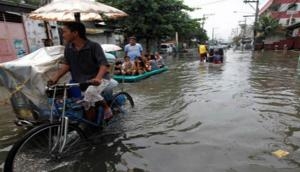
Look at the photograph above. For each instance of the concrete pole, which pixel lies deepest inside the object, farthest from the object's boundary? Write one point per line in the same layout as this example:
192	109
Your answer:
255	23
49	38
176	38
203	20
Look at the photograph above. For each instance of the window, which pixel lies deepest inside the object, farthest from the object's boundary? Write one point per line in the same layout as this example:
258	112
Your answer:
287	21
292	7
290	21
163	46
293	21
10	17
275	7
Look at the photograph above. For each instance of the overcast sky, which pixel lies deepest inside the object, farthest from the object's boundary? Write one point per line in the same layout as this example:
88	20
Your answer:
222	18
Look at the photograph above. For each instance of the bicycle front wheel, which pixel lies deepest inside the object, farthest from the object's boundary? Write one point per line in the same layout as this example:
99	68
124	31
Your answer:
122	103
39	149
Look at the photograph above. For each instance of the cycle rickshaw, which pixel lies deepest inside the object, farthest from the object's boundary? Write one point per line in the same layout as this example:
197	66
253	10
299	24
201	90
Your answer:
58	134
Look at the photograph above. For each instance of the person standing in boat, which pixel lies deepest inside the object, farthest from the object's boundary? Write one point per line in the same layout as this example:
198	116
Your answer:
133	49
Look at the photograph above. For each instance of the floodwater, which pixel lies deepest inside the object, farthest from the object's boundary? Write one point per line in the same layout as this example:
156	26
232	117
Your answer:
210	118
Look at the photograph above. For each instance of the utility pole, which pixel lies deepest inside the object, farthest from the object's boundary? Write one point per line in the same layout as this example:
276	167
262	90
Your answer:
48	41
244	34
243	31
205	16
255	20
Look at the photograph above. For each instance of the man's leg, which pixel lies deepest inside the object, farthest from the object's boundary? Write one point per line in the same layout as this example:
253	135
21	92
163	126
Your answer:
107	111
90	114
201	57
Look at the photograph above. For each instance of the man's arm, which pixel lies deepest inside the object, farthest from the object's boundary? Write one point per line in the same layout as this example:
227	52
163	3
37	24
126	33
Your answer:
126	50
101	72
101	59
61	72
141	50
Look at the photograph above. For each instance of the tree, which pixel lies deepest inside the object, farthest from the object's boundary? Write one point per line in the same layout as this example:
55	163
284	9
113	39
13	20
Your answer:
267	25
32	2
155	19
236	40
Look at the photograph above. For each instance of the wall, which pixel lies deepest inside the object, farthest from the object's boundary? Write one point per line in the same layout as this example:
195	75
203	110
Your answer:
35	30
13	42
274	38
19	39
102	38
296	32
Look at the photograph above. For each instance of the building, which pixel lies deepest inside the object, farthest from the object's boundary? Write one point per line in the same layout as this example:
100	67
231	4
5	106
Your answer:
20	35
13	41
102	34
287	12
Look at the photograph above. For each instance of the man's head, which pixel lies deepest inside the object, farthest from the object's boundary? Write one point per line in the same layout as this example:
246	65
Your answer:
73	31
132	40
126	58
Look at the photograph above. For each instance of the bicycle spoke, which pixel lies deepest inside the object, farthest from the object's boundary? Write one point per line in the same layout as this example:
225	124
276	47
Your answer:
38	149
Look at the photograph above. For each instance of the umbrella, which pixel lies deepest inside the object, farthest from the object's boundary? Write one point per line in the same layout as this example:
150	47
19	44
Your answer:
71	10
110	47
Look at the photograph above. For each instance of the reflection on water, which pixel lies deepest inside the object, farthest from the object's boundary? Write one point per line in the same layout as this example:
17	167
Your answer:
226	117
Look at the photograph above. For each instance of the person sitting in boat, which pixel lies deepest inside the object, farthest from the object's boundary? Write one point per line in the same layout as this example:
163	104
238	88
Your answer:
118	68
147	63
139	66
159	60
210	58
153	62
128	67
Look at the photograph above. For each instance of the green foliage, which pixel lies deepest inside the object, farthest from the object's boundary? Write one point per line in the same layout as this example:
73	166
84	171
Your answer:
267	26
157	19
33	2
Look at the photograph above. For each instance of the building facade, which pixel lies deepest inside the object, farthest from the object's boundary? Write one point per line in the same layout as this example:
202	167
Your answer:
20	35
287	12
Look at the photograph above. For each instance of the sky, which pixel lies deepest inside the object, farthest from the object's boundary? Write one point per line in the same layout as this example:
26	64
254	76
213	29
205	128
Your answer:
221	18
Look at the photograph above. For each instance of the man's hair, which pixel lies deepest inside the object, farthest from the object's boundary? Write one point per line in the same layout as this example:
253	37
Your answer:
76	26
132	37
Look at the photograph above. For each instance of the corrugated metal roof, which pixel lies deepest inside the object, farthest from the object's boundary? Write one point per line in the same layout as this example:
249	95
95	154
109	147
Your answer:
14	7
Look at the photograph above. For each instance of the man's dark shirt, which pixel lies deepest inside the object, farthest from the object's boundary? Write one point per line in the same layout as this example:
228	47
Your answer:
85	63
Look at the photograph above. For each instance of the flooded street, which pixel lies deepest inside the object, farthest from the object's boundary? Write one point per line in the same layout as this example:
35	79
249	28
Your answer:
210	118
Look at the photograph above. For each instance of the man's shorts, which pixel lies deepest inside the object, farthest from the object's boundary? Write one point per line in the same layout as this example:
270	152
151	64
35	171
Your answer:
203	55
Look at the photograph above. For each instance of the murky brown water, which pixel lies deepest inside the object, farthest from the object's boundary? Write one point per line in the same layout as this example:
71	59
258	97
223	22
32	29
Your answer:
201	118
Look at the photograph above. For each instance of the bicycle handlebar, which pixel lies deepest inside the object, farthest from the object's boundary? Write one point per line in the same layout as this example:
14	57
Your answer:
66	85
